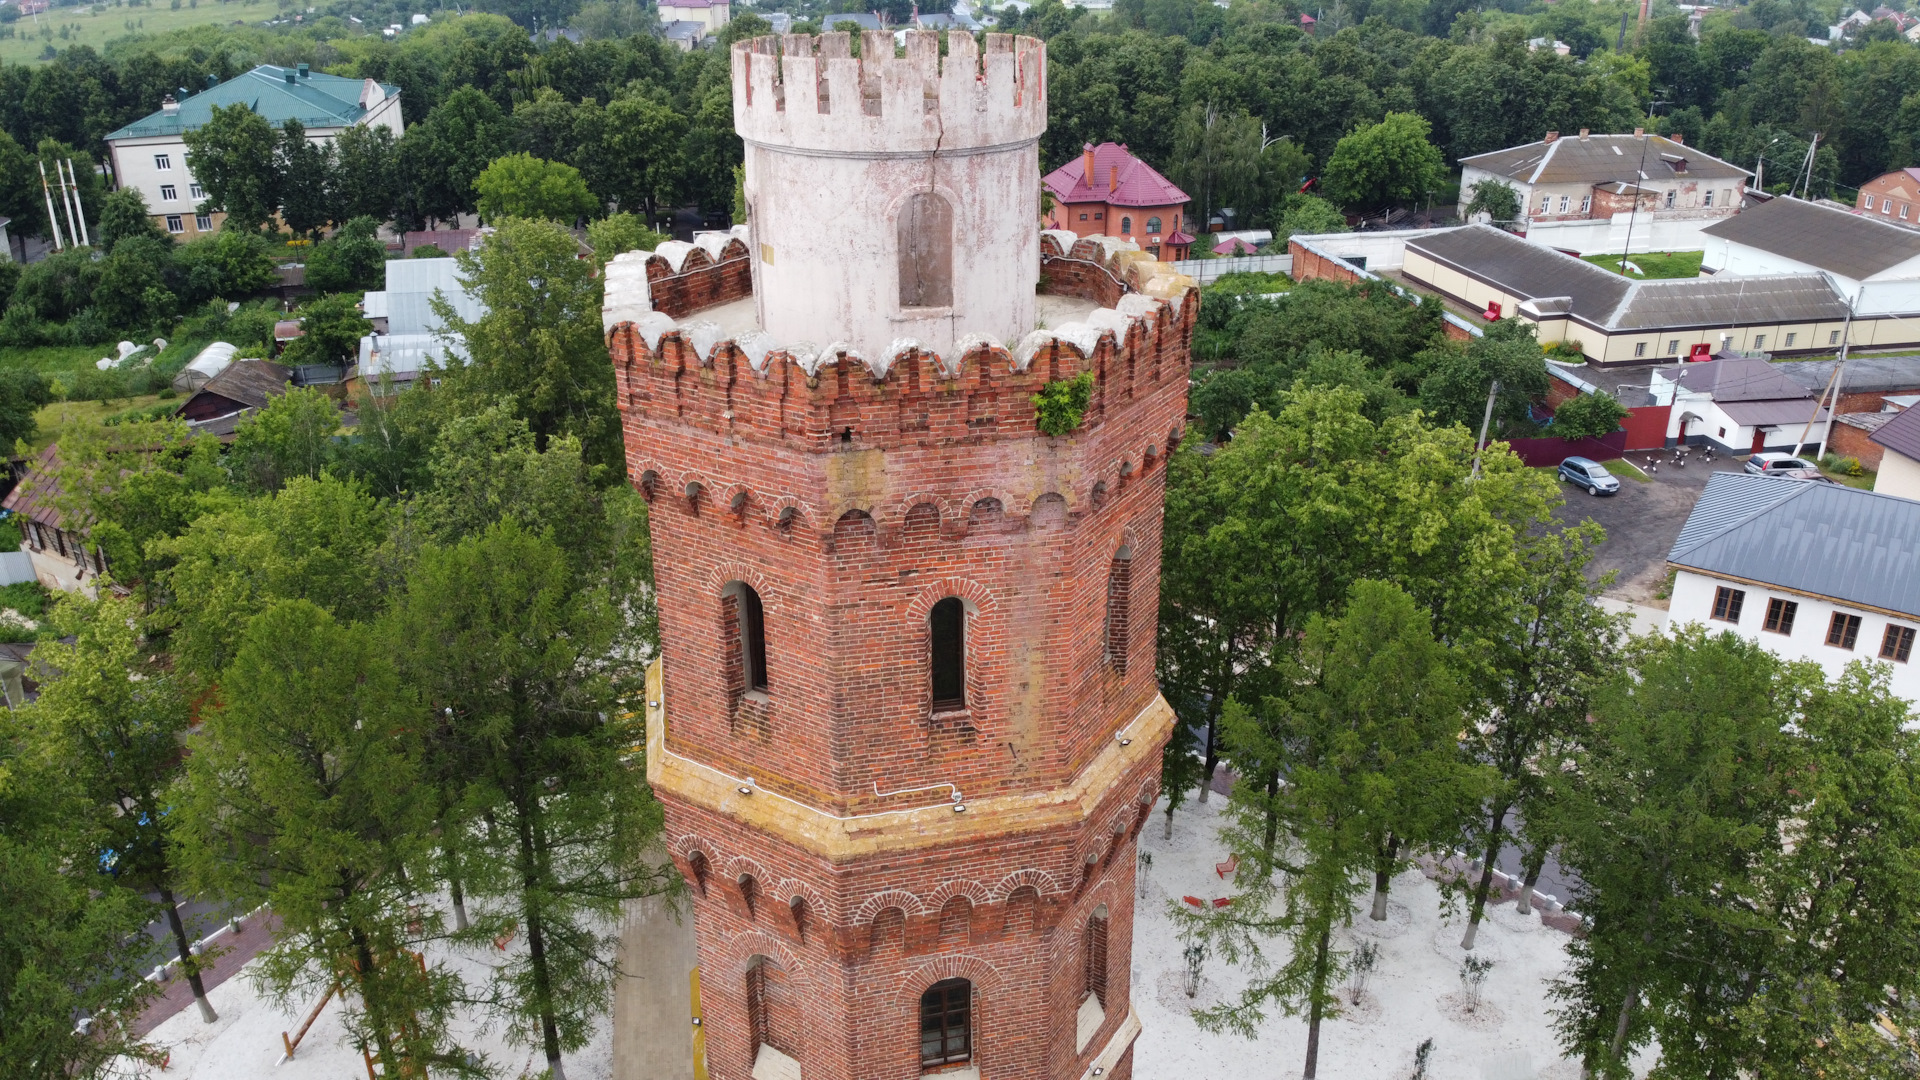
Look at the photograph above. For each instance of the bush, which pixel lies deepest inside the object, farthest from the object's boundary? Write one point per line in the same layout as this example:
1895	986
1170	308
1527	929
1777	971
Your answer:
427	251
29	598
1589	416
352	259
93	384
1061	405
1845	466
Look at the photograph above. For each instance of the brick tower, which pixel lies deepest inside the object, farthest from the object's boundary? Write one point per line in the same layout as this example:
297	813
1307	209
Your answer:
904	723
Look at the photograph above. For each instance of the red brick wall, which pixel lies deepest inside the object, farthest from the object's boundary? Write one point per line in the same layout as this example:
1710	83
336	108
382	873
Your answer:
697	288
1850	441
852	505
1077	277
1308	266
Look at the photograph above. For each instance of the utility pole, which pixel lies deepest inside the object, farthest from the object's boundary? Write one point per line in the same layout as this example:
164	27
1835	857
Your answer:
80	211
66	203
1486	420
53	219
1833	385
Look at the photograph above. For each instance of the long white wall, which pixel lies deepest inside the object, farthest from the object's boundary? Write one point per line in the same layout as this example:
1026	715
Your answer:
1693	595
1624	234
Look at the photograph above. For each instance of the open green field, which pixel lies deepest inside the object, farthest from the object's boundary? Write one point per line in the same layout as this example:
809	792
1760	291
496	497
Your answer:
97	24
1653	264
61	413
52	359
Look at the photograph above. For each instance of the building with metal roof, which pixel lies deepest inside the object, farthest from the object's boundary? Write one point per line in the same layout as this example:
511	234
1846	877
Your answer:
1597	176
1619	320
1899	441
1107	191
1739	405
1811	571
1792	235
408	335
150	154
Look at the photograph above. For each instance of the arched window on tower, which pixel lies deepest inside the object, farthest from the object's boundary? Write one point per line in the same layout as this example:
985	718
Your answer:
1119	609
744	630
1153	226
1126	225
1092	1015
947	654
925	240
946	1023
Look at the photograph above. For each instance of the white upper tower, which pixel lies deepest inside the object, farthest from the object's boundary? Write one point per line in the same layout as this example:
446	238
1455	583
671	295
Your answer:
892	198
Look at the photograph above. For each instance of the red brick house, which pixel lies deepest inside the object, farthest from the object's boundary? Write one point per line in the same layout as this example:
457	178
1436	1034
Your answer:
1892	197
1107	191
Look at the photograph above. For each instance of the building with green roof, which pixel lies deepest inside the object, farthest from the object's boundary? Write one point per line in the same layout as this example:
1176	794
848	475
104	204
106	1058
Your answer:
150	154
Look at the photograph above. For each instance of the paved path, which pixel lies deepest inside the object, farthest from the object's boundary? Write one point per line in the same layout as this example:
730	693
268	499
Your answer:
1642	522
254	937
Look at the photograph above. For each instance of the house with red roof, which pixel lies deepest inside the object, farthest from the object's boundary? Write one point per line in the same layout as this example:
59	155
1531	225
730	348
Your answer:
1892	197
1106	191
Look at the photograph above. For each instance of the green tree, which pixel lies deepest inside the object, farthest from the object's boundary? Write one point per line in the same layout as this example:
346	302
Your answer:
354	258
539	342
113	719
1306	215
330	332
59	286
1226	159
305	169
442	155
1535	671
1669	809
1495	198
64	937
1458	380
1390	163
619	233
133	293
234	157
542	729
293	436
302	794
123	213
229	265
22	393
523	186
639	151
365	166
1367	719
1589	416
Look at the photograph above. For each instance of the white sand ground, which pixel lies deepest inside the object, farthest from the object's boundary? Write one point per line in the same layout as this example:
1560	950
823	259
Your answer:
1414	994
244	1043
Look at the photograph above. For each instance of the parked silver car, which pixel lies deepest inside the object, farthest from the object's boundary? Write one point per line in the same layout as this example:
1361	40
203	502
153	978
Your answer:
1589	474
1775	463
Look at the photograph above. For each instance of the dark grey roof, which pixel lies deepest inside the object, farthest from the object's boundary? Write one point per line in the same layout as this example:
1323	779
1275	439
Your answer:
1857	547
1604	299
1737	379
863	20
1865	374
1843	243
1773	413
1599	159
250	382
1901	434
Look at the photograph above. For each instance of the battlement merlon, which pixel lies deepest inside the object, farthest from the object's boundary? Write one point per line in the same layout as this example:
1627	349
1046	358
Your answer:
811	94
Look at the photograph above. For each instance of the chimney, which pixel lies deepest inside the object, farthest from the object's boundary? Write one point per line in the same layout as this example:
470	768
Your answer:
1551	135
1639	132
1086	169
169	105
1113	178
212	81
288	74
305	71
1583	134
1679	138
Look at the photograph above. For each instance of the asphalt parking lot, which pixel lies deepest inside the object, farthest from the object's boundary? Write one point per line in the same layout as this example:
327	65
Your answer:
1642	521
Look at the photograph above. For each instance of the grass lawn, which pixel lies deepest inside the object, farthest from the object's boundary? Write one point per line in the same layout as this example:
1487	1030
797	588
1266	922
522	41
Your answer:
1623	467
1864	481
52	359
98	24
1657	264
61	413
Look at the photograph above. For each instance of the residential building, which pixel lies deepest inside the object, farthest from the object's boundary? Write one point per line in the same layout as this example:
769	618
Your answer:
1107	191
1597	176
150	154
407	335
1893	196
1811	571
242	387
1899	442
1617	320
61	555
1737	405
710	14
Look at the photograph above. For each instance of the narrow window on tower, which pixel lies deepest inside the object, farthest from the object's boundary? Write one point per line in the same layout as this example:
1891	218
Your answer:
926	251
744	632
947	654
1119	608
1093	976
946	1023
772	1019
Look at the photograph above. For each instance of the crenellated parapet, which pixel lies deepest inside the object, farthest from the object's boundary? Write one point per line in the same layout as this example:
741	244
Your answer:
811	93
688	372
679	278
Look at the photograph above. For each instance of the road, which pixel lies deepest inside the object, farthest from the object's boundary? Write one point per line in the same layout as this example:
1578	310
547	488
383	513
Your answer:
1642	522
